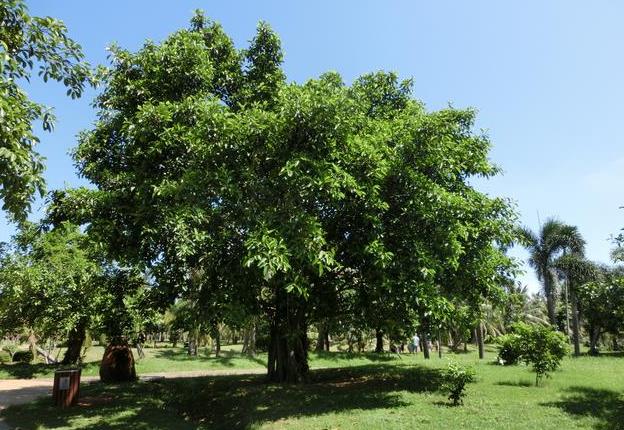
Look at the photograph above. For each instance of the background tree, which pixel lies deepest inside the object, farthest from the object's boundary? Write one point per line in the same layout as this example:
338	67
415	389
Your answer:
553	239
577	271
28	43
47	284
602	305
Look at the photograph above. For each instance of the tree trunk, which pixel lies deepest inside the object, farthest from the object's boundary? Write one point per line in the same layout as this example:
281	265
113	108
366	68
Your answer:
288	345
425	345
327	340
551	304
320	341
32	346
439	344
575	324
479	332
251	345
192	341
74	344
216	338
379	347
594	334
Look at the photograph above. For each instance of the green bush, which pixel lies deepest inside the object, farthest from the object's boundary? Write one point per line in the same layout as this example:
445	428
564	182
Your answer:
509	349
5	357
23	357
540	346
456	378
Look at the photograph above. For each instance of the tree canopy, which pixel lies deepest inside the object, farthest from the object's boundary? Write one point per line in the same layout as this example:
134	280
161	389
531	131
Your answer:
28	43
231	184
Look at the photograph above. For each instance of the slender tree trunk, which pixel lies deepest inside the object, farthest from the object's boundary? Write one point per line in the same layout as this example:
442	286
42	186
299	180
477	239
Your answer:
425	345
74	344
327	340
32	346
251	347
192	342
594	334
216	338
320	341
439	344
479	336
551	304
379	347
288	346
575	324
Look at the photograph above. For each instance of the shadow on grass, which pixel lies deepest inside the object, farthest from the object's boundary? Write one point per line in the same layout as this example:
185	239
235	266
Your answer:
371	356
37	370
519	383
603	354
226	358
227	402
606	406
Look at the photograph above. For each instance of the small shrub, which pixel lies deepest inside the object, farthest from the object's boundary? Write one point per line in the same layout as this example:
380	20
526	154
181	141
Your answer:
540	346
23	357
509	349
5	357
456	378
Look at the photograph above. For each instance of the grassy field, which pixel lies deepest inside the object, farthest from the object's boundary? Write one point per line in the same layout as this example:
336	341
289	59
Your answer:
159	360
156	360
387	392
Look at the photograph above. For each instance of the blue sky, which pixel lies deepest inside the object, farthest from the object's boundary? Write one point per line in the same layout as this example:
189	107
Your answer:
546	78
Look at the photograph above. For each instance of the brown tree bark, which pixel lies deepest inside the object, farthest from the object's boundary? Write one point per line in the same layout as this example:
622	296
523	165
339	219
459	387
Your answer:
479	336
425	345
74	344
216	337
320	340
288	345
575	324
379	347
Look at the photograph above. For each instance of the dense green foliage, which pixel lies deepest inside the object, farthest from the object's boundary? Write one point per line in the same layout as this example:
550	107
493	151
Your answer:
23	357
456	377
553	239
540	346
28	43
509	349
302	203
56	285
602	304
47	282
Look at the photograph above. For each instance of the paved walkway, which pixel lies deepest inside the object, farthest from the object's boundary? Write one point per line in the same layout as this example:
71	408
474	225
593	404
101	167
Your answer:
19	391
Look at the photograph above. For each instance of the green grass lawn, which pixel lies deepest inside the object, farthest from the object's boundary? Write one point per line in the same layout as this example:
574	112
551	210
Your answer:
383	393
158	360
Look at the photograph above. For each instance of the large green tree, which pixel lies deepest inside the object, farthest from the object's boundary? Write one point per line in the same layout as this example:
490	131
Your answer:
553	239
237	188
30	43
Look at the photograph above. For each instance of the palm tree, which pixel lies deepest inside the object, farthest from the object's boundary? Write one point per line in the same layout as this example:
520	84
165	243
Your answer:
576	270
554	239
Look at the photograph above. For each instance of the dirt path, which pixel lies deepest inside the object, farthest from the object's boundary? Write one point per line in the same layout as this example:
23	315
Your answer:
19	391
